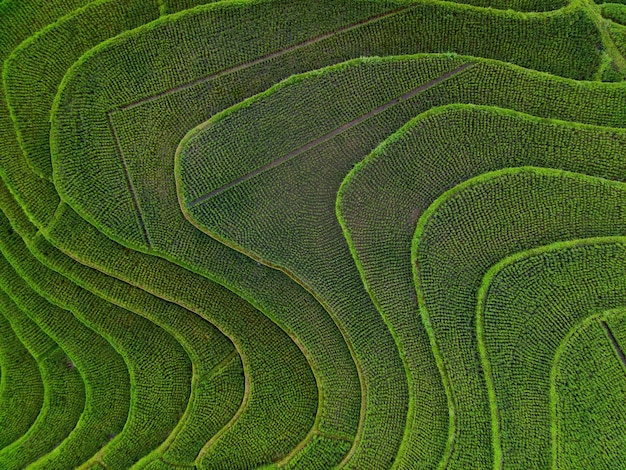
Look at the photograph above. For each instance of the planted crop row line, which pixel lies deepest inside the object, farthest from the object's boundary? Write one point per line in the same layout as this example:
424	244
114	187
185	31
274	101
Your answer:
602	25
334	436
320	140
587	384
264	58
216	75
219	368
356	103
616	346
129	182
141	194
221	73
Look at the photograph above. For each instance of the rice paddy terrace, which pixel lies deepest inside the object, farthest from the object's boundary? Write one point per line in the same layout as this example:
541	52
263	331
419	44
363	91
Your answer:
312	234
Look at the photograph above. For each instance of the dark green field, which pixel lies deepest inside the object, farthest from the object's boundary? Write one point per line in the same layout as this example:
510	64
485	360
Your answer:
312	234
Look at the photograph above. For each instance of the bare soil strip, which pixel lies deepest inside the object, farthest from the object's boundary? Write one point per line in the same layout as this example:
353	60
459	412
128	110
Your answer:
331	134
616	346
129	183
264	58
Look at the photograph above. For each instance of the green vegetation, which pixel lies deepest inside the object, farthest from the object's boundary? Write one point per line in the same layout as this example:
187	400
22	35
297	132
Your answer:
291	234
159	384
540	316
614	12
63	394
298	178
21	386
435	151
30	95
588	388
513	219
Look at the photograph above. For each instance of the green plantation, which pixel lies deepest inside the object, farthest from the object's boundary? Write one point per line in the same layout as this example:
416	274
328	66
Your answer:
312	234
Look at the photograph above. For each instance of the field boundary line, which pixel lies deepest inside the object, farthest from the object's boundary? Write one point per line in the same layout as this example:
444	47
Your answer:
334	318
222	365
602	25
614	343
320	140
321	394
227	360
597	318
160	451
224	429
272	55
129	182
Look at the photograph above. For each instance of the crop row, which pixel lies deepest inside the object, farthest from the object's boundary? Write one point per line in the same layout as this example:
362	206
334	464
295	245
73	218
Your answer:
588	393
510	208
334	366
159	369
614	12
281	183
21	386
63	394
302	189
413	28
447	145
528	306
30	94
87	279
149	217
263	377
203	343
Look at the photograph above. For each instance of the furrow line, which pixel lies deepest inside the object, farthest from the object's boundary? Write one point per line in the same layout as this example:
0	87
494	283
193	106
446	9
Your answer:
264	58
219	368
129	183
616	346
337	437
331	134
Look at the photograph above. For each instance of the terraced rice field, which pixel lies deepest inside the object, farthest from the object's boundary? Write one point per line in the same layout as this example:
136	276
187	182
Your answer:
364	234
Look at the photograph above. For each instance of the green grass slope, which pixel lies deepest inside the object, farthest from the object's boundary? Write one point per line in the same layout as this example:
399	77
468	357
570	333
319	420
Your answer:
209	400
512	218
447	145
588	390
341	373
530	307
64	386
279	169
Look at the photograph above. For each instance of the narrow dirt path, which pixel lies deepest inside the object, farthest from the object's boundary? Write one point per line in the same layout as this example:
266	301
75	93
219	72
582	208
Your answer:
129	183
331	134
265	58
616	346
